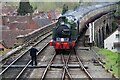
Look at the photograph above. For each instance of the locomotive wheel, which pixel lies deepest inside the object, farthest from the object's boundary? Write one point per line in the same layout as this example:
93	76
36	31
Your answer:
65	51
57	51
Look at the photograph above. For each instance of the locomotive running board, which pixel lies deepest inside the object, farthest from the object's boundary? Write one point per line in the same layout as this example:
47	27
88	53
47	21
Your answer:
44	66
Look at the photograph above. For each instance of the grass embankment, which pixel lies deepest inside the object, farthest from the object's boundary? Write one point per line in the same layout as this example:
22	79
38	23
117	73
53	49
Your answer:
112	60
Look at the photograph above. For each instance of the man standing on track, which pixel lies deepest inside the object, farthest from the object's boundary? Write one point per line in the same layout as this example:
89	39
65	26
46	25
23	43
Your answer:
33	55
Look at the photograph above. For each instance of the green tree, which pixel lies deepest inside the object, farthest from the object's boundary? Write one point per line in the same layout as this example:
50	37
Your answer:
75	7
117	13
35	7
24	8
65	9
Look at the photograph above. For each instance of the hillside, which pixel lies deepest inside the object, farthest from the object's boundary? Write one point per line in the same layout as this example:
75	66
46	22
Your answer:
46	6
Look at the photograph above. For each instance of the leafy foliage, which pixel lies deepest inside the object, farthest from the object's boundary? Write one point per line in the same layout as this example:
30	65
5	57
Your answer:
24	8
114	26
117	13
65	9
75	7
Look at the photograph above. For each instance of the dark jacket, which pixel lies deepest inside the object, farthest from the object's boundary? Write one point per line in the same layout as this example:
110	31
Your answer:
33	52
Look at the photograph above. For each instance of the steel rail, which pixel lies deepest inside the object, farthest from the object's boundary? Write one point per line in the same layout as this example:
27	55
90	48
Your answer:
63	74
48	66
22	70
82	66
27	43
64	71
65	67
24	54
37	38
98	58
30	62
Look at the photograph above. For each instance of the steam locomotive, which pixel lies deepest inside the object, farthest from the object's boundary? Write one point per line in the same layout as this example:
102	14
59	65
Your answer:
70	25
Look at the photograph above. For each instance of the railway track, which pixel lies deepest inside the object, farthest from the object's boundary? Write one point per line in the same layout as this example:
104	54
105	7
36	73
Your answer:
24	47
52	61
24	59
62	66
94	64
66	66
83	67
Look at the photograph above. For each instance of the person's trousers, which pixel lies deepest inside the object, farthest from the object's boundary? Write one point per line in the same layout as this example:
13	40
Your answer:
34	59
